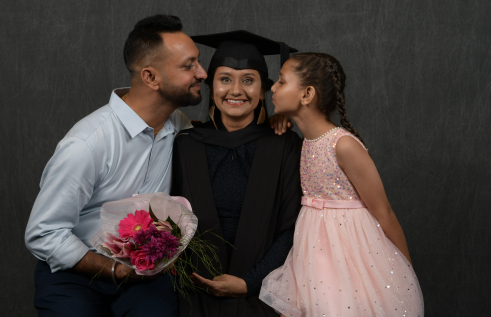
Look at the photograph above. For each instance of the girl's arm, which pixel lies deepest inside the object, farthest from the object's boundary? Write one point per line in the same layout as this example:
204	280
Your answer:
361	171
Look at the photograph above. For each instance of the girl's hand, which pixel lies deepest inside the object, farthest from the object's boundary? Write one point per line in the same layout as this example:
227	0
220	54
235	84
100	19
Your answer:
222	286
280	123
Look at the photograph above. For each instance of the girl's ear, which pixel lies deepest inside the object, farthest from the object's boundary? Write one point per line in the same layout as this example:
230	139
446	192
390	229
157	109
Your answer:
261	97
308	95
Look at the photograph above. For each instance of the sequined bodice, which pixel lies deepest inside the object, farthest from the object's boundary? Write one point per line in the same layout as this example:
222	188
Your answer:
319	171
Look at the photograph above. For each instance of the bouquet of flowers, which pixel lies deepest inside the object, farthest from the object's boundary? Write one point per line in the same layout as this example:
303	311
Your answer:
135	234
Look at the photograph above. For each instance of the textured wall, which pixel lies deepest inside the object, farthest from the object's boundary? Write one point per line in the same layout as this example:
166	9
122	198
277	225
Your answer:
418	91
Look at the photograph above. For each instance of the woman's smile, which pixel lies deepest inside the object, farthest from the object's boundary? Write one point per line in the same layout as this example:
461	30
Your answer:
237	92
235	102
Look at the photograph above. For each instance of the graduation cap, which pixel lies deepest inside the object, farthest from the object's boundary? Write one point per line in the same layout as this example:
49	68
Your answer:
243	50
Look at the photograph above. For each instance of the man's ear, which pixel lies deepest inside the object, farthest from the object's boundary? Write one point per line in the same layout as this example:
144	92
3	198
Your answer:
150	77
308	95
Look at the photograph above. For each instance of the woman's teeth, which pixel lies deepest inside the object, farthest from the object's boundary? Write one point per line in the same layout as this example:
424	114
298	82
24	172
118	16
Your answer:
235	101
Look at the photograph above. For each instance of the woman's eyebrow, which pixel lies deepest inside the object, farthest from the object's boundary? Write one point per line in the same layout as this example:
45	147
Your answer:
246	74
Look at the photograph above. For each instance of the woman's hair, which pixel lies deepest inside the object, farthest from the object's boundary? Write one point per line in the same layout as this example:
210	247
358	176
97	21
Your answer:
325	74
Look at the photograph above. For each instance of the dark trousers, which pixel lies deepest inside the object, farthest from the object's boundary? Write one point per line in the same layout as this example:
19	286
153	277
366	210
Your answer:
68	294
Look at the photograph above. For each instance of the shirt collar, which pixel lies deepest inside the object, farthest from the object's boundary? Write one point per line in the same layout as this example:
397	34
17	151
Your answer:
168	128
132	122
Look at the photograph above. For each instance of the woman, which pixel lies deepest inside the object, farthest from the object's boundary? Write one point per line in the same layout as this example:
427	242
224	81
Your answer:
241	179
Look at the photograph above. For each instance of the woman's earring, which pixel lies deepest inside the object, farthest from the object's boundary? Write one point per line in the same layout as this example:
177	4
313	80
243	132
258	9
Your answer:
262	114
211	113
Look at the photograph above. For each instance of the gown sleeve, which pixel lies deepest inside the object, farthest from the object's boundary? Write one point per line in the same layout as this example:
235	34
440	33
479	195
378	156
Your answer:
290	199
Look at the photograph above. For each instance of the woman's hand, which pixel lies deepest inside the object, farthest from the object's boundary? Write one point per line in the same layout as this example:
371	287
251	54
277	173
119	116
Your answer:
222	286
280	123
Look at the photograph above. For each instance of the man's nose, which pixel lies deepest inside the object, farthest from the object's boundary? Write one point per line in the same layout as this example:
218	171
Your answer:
200	72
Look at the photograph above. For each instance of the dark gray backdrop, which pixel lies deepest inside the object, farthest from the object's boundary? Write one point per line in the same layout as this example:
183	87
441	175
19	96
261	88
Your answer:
418	92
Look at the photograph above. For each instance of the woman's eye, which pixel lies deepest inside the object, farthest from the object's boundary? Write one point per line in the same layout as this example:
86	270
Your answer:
247	81
225	79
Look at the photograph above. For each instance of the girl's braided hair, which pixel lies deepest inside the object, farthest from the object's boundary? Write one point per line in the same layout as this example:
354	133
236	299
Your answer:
325	74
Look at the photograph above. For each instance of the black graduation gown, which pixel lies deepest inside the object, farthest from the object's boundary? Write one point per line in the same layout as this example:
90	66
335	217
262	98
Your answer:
271	206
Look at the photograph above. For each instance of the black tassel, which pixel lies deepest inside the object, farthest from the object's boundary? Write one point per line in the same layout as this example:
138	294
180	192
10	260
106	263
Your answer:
284	53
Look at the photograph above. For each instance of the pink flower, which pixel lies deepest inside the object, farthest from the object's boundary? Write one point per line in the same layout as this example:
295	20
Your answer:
163	226
139	259
120	248
131	224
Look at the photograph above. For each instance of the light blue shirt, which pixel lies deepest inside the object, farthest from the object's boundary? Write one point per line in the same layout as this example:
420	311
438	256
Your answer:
109	155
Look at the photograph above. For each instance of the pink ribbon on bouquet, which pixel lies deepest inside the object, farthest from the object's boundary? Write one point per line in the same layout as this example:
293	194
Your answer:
334	204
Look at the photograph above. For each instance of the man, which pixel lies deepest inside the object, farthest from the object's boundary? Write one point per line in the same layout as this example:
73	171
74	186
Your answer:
121	149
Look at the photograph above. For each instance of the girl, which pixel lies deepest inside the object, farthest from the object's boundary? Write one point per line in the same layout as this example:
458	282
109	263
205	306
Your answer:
349	256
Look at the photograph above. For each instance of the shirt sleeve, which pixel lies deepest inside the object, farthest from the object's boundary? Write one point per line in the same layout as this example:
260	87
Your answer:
66	185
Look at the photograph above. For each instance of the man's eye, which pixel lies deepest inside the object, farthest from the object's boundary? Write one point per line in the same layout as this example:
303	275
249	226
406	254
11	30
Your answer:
189	66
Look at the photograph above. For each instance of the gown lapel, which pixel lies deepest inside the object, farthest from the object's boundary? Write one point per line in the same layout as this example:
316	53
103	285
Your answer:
252	233
201	191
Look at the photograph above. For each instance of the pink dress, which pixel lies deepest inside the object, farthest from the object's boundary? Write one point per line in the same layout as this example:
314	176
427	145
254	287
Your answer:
341	263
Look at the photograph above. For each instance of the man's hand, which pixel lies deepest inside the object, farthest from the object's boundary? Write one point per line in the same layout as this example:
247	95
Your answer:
280	123
94	265
125	274
222	286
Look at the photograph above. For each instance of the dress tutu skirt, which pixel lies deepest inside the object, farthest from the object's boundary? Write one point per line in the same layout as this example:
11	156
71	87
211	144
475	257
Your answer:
341	262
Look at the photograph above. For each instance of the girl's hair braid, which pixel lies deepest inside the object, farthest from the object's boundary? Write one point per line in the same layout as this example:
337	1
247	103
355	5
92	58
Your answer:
325	74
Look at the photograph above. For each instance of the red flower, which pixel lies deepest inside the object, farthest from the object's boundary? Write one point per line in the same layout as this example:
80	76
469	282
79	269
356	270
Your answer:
130	225
139	259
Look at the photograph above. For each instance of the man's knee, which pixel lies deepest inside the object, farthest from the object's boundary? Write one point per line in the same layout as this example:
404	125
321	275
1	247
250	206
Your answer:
156	298
69	294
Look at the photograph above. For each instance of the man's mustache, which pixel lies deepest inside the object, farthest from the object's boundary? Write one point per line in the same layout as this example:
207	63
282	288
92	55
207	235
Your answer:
196	83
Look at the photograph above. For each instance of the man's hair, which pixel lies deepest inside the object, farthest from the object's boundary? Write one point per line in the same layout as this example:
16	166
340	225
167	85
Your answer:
145	37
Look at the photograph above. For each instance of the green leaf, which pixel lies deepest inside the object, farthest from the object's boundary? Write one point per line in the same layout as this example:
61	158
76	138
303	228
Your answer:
152	215
176	231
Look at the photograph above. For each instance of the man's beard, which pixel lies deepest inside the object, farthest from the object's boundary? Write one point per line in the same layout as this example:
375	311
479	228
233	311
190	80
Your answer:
181	97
